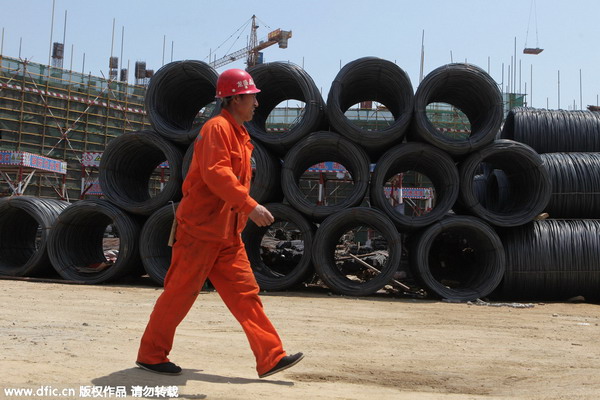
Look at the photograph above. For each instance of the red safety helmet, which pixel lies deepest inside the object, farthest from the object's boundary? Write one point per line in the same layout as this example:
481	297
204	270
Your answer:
235	81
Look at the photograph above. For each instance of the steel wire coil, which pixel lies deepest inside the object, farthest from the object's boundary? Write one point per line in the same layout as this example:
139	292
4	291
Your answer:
289	270
328	238
278	82
371	79
423	158
471	90
479	188
266	173
458	258
319	147
76	242
575	181
175	95
187	160
497	189
127	166
155	251
25	224
491	187
552	260
527	184
554	131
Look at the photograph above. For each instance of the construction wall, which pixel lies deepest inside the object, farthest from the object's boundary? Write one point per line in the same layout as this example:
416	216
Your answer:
62	115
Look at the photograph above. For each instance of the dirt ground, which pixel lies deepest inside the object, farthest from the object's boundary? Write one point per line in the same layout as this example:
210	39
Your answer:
73	341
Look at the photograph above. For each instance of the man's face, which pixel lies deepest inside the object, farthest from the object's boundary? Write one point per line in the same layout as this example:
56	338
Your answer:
245	106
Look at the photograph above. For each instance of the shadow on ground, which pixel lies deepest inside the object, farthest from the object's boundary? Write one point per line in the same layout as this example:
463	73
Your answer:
135	379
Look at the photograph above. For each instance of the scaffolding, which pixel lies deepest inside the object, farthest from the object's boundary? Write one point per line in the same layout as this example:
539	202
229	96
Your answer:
60	114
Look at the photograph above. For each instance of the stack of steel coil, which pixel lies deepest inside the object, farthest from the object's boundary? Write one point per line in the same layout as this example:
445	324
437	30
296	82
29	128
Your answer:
95	241
479	237
558	257
554	131
469	257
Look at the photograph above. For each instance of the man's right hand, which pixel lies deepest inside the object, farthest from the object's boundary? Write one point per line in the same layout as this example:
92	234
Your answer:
261	216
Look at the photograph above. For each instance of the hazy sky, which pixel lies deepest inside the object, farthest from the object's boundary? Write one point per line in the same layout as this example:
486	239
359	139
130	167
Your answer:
327	34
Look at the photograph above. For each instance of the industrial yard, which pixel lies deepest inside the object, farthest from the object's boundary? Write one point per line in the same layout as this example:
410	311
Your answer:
432	239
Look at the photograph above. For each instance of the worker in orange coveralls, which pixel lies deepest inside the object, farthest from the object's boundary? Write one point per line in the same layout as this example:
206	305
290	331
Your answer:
210	218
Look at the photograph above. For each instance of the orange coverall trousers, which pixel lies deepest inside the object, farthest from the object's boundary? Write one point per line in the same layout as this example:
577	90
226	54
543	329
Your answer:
229	271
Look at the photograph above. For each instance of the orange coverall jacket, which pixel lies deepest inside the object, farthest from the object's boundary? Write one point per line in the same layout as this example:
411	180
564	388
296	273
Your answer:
216	200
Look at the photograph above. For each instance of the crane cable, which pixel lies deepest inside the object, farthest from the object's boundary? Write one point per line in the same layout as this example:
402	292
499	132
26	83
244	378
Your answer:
533	8
240	30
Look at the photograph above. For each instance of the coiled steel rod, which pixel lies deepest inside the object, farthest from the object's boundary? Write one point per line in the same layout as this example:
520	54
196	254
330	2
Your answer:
458	258
554	131
127	166
552	260
278	82
371	79
575	181
422	158
76	243
175	95
155	251
471	90
527	183
25	224
320	147
289	226
328	238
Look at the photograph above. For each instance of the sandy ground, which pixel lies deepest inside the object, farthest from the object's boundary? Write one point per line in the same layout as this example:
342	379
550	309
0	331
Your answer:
60	338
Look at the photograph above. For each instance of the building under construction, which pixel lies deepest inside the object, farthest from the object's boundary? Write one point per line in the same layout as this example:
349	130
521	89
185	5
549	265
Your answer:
53	122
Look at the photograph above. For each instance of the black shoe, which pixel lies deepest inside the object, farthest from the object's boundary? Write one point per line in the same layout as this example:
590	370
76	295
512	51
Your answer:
167	368
284	363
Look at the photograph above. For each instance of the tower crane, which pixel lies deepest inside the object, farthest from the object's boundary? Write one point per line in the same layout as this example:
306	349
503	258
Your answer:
254	47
